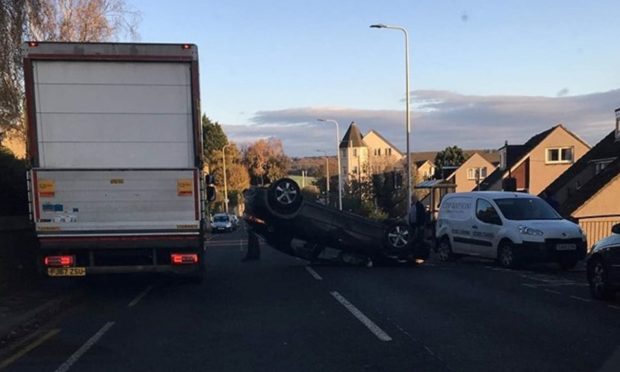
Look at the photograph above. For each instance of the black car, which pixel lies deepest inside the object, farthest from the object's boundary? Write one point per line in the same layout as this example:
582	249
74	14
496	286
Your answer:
604	266
313	231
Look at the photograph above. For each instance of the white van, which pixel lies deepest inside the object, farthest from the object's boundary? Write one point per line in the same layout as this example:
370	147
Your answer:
510	227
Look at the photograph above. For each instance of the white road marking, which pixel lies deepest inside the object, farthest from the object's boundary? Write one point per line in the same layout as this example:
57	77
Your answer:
580	299
139	296
28	348
84	348
551	291
614	307
529	285
314	274
381	335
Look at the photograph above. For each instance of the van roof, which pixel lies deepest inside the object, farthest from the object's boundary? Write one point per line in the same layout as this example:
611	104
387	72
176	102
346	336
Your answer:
492	194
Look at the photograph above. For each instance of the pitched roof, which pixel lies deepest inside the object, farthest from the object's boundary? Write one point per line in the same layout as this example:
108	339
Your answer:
420	163
590	188
352	138
386	141
514	154
607	148
451	175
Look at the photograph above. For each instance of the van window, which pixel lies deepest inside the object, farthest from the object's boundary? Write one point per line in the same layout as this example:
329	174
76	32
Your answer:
486	213
526	209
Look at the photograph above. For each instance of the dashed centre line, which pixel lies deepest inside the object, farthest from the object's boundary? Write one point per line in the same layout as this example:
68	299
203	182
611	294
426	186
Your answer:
580	298
314	274
139	296
84	348
375	329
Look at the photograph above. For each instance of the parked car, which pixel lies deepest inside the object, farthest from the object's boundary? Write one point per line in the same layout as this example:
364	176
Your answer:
315	232
510	227
603	266
221	223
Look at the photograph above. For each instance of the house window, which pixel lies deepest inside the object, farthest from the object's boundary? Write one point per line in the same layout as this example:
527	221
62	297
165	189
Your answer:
559	155
618	124
386	152
344	169
477	173
599	166
354	152
379	152
375	152
354	170
390	151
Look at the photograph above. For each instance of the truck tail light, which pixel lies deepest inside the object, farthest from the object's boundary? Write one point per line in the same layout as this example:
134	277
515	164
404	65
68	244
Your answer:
59	261
183	258
33	44
186	46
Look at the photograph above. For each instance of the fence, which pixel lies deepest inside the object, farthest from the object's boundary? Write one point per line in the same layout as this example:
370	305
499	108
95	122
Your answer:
598	228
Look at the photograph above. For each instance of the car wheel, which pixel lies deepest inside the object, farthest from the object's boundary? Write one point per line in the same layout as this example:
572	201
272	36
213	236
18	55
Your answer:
597	278
284	196
506	255
398	238
444	250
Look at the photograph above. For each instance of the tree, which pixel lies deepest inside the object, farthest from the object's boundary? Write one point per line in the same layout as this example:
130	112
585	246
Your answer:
51	20
213	139
266	161
450	156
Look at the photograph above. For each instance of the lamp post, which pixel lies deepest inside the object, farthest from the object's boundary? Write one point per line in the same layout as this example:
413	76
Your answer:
225	185
326	176
337	157
407	113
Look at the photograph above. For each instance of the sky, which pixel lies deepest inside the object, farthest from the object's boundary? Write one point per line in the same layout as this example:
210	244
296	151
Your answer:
481	72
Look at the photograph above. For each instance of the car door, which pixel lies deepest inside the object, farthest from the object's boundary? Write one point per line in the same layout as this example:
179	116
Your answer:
485	228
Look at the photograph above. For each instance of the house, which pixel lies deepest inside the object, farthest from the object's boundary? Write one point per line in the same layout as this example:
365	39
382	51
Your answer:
353	154
538	162
425	170
382	155
588	191
13	140
468	176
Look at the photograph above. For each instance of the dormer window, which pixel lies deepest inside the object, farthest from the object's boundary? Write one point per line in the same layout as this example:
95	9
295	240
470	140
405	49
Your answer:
618	124
559	155
502	159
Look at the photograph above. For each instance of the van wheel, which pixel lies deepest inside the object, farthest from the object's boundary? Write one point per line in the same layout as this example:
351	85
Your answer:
284	197
444	251
506	255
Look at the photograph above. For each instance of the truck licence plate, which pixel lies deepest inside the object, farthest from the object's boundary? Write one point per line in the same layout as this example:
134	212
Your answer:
565	247
66	271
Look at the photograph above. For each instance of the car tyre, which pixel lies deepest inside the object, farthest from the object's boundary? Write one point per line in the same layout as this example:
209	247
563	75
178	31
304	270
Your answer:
444	250
598	274
506	255
398	239
284	197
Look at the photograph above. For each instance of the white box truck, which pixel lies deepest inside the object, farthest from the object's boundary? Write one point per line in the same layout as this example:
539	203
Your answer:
115	147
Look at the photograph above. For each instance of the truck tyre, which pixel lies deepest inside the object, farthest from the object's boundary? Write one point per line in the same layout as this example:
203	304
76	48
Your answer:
284	197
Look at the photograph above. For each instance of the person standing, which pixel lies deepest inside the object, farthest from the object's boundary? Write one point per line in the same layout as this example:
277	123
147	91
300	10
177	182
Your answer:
253	251
417	219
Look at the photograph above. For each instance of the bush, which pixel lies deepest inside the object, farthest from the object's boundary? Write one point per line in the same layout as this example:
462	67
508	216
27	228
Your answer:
13	192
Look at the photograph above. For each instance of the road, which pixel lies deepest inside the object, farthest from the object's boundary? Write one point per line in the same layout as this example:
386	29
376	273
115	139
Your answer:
278	314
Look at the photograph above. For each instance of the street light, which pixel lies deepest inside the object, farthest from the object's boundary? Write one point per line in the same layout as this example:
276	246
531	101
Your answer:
326	175
407	114
225	185
338	157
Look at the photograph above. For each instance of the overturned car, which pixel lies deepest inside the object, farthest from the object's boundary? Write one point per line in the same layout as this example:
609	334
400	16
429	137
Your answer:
315	232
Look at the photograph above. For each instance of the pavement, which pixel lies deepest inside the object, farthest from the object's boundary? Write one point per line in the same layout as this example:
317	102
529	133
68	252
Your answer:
279	314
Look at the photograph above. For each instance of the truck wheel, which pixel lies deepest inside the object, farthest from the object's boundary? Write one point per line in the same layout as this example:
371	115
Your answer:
284	196
398	238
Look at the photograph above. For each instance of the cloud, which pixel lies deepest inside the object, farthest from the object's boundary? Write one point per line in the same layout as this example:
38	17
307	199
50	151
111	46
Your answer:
439	119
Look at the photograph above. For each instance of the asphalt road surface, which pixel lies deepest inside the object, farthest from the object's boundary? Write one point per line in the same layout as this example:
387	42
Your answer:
278	314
